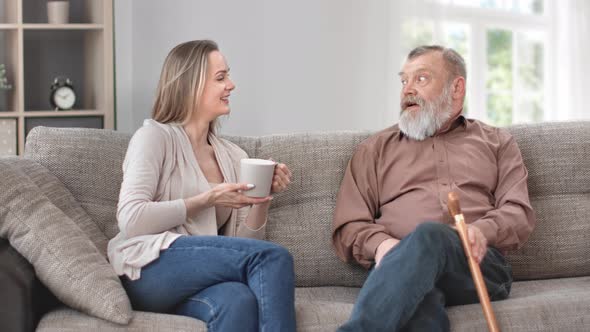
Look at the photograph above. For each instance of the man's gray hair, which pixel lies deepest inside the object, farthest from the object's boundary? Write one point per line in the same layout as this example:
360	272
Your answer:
454	61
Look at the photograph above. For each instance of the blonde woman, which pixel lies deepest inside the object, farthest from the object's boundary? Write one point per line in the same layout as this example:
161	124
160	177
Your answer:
180	193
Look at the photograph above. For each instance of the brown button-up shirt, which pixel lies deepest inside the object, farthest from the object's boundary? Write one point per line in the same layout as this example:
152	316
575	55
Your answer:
394	183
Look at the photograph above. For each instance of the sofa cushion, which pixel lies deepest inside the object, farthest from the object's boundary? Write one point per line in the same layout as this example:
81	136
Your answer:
543	305
539	305
89	163
301	217
64	258
24	298
17	284
66	319
557	156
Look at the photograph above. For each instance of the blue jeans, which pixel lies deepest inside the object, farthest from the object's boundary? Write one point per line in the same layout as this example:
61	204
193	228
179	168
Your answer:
427	270
232	284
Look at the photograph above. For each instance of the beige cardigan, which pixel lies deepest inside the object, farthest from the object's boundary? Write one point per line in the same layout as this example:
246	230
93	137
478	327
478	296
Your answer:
160	170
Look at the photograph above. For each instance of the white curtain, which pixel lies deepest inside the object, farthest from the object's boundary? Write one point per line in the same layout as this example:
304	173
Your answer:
572	59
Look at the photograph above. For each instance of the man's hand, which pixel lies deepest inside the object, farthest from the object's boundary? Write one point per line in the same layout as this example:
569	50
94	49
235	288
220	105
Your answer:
479	243
383	248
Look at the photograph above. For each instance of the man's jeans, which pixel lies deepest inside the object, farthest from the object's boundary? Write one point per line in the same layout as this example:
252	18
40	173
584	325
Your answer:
233	284
422	273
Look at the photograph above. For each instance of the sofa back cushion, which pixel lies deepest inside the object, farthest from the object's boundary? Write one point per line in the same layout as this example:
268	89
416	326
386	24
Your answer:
301	217
557	157
89	163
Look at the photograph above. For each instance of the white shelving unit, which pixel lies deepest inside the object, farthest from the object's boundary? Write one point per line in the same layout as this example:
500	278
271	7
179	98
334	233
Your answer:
36	52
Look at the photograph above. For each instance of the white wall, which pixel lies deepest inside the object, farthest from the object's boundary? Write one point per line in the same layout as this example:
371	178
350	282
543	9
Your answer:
304	65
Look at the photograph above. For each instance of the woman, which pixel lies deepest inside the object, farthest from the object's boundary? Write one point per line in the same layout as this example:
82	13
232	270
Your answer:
179	192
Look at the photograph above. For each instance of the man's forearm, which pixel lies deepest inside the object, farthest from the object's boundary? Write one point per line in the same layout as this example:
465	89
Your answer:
384	248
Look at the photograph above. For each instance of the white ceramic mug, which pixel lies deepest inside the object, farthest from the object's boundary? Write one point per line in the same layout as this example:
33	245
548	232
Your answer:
258	172
58	12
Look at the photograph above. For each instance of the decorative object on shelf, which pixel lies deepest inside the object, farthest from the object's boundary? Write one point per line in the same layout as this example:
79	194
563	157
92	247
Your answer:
58	11
3	80
4	86
7	137
62	96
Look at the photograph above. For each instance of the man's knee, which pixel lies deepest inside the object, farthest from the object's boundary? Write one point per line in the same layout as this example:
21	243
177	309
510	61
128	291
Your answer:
436	235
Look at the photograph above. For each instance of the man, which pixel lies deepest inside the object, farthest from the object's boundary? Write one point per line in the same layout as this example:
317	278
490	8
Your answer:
391	214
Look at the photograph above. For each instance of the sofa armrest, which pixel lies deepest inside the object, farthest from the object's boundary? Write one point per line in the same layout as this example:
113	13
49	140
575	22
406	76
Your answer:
24	299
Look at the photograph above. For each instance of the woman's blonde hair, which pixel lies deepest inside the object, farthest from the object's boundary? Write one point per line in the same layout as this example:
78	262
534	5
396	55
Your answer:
182	81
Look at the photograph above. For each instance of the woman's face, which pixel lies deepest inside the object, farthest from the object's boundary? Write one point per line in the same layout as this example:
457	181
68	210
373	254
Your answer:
214	101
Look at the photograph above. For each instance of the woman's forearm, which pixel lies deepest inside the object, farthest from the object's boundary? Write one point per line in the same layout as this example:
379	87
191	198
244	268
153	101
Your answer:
198	203
257	215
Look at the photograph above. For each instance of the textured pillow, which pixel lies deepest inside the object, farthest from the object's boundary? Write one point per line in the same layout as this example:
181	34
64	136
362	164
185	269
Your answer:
64	257
62	198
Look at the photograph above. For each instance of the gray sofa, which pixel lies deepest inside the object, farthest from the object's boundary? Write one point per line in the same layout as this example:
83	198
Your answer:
552	271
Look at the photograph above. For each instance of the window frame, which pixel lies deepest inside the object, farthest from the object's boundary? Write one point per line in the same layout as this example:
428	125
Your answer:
479	21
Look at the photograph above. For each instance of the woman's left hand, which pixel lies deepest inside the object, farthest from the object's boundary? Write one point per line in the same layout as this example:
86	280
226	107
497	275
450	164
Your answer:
281	178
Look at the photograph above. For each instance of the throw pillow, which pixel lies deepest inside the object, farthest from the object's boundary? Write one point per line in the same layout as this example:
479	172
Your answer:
62	198
65	259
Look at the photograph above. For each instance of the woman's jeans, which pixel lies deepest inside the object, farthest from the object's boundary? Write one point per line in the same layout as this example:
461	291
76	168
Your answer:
232	284
422	273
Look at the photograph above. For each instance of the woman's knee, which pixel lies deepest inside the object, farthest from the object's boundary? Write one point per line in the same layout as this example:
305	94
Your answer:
279	254
233	307
240	298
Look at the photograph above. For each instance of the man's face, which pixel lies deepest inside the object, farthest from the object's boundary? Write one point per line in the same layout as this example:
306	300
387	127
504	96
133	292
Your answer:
426	99
423	77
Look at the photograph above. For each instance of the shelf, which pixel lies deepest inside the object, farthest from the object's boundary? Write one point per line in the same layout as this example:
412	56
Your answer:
80	11
8	11
65	122
49	54
35	53
33	114
71	26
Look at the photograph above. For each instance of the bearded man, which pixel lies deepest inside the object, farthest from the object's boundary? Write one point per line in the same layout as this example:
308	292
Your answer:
391	214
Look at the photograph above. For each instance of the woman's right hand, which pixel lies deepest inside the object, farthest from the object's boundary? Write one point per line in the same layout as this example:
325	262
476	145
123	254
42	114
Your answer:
230	195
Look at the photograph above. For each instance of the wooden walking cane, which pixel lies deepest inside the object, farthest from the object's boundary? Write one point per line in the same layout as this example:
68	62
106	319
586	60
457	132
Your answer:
482	291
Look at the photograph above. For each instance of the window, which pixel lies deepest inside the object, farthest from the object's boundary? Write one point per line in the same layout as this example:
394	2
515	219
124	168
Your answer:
505	46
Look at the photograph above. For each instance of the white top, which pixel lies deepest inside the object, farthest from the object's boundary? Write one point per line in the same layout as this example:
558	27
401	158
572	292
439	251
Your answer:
160	170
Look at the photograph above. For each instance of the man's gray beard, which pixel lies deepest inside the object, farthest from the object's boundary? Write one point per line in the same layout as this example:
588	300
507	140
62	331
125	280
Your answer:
431	116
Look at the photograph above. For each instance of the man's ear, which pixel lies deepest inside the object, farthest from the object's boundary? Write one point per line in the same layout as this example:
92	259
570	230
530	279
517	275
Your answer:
458	87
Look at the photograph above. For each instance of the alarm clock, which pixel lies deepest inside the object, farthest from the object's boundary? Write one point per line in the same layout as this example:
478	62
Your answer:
62	96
